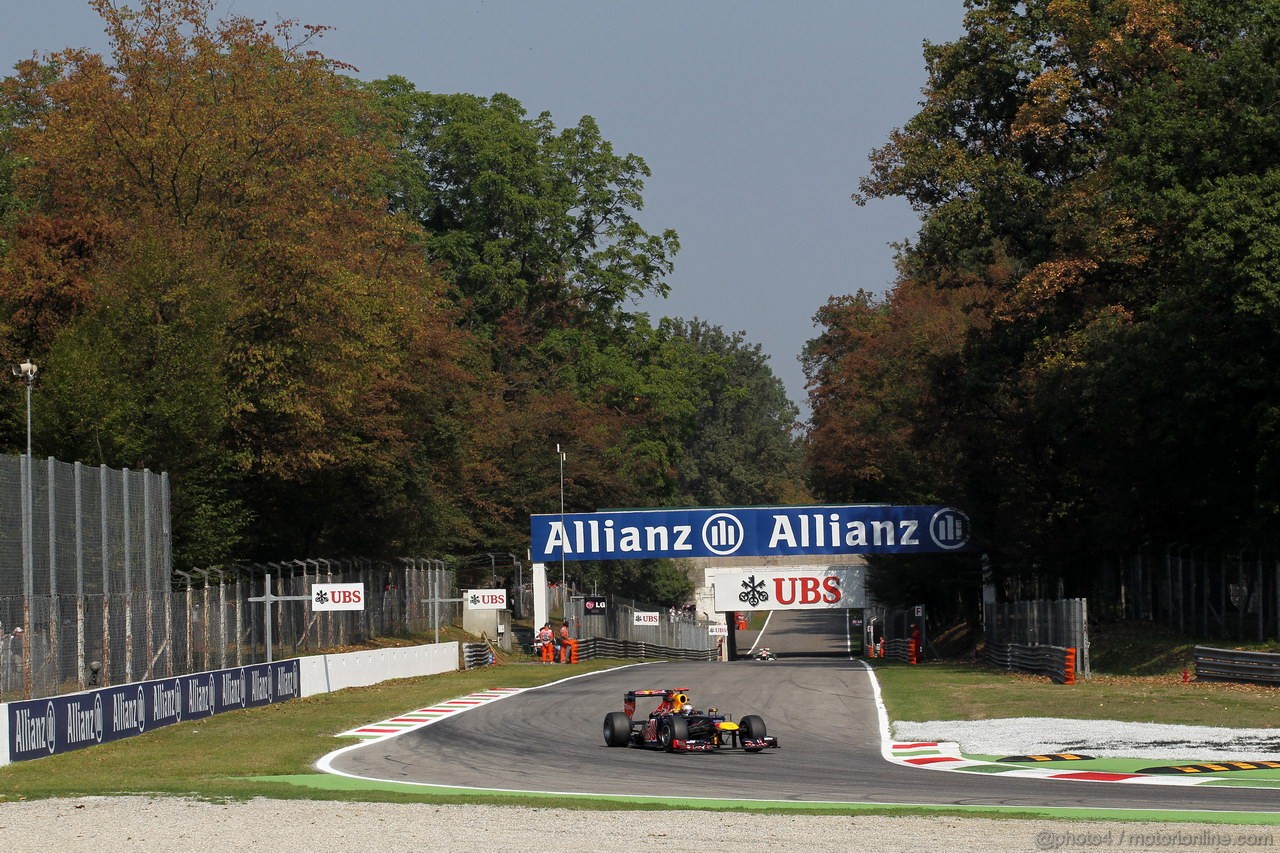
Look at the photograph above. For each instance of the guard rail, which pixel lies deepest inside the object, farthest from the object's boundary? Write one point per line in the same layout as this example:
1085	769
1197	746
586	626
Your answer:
1237	666
1054	662
476	655
601	647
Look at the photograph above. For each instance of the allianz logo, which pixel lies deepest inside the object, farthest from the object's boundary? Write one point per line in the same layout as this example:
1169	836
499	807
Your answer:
723	533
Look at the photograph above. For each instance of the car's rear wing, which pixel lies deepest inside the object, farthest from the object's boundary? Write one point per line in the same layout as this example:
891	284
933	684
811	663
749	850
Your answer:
673	698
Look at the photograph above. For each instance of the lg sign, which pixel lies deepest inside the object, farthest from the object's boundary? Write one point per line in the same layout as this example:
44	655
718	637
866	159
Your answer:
337	596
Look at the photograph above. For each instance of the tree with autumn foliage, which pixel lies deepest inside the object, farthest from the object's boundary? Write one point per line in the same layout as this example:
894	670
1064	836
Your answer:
1096	185
203	264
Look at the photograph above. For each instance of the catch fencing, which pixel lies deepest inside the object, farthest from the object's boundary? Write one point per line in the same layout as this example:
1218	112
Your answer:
1200	592
1061	623
206	621
77	543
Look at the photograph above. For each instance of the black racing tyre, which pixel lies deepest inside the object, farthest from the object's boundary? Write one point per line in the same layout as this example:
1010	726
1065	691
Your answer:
672	729
617	729
752	727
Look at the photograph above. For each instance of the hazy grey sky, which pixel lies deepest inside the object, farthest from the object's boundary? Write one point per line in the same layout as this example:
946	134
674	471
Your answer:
755	117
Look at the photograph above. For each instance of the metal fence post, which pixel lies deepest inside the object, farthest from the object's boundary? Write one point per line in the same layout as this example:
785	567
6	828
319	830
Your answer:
81	653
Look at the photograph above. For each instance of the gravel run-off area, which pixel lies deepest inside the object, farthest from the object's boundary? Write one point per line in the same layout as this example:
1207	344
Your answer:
107	825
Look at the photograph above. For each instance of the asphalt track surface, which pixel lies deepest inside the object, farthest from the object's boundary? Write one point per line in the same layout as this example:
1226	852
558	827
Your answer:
821	708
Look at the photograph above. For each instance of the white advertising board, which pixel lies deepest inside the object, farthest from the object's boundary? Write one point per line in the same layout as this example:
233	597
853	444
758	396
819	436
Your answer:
644	617
337	596
485	599
816	588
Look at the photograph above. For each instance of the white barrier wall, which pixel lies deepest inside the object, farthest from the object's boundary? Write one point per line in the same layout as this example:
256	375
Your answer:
325	673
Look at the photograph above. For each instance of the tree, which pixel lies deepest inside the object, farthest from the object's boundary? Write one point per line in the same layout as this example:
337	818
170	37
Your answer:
1104	172
208	204
525	219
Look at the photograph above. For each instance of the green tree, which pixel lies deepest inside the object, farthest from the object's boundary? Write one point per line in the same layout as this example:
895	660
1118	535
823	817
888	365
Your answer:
1104	172
526	219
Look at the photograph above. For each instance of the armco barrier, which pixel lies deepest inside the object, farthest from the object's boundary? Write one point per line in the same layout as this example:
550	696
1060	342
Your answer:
600	647
1052	661
476	655
38	727
1237	666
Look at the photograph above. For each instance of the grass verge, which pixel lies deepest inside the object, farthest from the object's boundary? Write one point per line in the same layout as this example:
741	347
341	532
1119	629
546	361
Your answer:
951	691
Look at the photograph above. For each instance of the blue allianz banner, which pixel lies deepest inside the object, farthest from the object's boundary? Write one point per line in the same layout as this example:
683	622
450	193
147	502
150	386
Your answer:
749	532
41	727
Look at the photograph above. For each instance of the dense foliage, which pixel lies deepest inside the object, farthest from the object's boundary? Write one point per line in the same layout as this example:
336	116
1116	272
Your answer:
1082	348
350	317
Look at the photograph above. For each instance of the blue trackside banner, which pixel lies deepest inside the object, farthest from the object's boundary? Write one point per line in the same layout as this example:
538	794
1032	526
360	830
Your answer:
749	532
41	727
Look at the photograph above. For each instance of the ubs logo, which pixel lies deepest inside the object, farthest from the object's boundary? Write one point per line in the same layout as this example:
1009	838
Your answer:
949	529
722	534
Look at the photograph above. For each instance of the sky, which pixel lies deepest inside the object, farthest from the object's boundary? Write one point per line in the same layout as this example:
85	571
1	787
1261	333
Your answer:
755	117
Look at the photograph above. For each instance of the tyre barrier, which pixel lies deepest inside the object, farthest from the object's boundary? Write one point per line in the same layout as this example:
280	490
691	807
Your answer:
1237	666
1053	662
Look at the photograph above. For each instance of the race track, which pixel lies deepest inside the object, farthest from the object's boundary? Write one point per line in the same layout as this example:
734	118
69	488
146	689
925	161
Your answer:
821	709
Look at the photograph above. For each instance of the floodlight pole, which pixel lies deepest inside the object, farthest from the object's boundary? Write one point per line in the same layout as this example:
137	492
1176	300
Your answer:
561	454
27	372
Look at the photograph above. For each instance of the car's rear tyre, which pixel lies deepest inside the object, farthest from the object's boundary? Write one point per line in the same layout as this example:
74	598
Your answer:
753	728
617	729
672	729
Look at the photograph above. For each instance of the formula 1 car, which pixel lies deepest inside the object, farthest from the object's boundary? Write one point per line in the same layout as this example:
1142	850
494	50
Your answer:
677	727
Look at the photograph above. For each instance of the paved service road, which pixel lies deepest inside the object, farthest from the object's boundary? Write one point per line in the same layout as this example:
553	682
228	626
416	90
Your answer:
821	709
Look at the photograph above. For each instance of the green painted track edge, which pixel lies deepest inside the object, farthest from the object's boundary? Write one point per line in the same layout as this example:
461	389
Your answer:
328	782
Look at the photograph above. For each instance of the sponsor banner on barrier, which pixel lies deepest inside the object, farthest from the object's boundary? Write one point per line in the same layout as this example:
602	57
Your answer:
594	605
788	589
749	532
41	727
644	617
337	596
485	599
715	630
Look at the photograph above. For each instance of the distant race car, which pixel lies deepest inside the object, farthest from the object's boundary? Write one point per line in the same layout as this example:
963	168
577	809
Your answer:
677	727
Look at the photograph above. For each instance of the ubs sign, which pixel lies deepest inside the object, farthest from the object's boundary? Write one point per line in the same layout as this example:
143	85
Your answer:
749	532
789	589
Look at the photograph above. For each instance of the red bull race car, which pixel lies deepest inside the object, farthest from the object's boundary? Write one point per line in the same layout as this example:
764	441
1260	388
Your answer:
676	726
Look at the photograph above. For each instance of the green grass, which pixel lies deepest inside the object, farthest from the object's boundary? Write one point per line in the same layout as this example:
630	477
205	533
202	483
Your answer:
1144	648
217	756
951	691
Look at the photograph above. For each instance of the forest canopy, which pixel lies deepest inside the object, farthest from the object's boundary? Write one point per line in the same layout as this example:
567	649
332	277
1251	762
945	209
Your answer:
1082	346
349	317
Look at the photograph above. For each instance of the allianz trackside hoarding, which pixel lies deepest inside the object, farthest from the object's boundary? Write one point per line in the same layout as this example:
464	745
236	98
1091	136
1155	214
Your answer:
749	532
40	727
